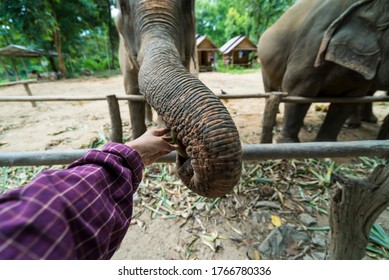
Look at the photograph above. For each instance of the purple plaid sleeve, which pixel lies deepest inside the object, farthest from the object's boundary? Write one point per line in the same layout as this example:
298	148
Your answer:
82	212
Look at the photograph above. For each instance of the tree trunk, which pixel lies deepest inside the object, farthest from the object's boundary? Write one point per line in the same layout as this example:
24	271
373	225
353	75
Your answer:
58	46
52	64
355	207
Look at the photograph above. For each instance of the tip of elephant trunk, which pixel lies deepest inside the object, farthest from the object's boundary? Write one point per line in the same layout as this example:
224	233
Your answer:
212	180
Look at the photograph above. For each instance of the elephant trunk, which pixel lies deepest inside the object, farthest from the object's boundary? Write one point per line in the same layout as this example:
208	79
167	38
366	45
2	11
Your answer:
210	162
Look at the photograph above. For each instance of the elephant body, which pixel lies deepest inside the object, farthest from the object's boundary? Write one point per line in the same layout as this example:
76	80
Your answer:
157	44
326	48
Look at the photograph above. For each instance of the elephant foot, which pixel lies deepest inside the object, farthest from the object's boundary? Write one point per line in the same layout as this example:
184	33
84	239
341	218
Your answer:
353	124
353	121
370	118
323	139
285	139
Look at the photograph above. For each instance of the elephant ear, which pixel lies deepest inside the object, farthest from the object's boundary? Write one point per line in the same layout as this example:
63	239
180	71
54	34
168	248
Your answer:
352	41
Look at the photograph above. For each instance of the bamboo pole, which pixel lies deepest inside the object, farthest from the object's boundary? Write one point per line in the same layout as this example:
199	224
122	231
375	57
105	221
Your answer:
251	152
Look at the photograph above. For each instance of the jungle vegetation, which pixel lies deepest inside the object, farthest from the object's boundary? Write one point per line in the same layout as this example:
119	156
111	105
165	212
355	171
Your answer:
83	32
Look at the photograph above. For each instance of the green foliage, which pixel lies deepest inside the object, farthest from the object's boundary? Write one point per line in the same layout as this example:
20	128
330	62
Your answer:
38	20
61	26
236	23
88	37
221	20
99	141
17	176
237	69
379	242
263	13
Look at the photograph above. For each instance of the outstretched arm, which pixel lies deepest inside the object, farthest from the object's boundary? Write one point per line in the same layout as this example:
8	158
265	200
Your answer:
82	212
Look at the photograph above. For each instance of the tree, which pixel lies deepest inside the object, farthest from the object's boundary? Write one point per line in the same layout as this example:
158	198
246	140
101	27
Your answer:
104	10
236	23
224	19
50	23
263	13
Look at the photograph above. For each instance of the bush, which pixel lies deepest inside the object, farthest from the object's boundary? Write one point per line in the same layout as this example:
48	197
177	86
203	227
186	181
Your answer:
94	64
236	69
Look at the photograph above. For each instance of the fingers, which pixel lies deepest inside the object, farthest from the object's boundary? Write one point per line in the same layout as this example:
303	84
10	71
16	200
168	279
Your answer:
167	138
153	144
160	131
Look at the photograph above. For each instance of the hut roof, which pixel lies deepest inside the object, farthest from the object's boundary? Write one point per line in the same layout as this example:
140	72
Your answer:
204	43
238	43
20	51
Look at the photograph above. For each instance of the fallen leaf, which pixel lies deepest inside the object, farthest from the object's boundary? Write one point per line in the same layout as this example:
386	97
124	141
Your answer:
256	255
276	221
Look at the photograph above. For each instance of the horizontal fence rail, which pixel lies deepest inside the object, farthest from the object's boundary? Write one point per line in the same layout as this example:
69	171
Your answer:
22	82
284	98
251	152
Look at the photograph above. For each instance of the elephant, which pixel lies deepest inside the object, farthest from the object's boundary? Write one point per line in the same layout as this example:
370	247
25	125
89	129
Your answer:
158	42
326	48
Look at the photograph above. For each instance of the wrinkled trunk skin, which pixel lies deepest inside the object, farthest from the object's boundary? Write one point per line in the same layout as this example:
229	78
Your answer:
200	122
159	37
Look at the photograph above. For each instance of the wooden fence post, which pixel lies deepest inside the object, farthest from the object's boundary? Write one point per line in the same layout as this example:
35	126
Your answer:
116	134
28	90
269	117
354	208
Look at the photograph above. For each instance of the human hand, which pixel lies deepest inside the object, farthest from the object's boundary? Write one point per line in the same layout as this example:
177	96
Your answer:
153	144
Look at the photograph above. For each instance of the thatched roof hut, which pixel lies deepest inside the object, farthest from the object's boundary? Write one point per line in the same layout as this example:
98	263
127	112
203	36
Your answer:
206	53
239	51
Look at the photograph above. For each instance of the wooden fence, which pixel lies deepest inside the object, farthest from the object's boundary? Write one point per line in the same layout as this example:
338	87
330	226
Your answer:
25	83
365	199
272	102
251	152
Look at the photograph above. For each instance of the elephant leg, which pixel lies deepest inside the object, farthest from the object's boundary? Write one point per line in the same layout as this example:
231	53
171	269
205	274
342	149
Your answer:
336	116
293	121
266	82
363	112
367	115
137	115
354	121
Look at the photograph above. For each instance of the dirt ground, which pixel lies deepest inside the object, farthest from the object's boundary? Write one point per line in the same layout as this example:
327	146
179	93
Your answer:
199	233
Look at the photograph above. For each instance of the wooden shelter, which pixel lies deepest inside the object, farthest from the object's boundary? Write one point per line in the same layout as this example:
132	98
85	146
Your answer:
20	51
239	51
14	51
206	53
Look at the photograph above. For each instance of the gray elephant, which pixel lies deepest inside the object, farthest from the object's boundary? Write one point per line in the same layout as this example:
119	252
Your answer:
158	40
326	48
